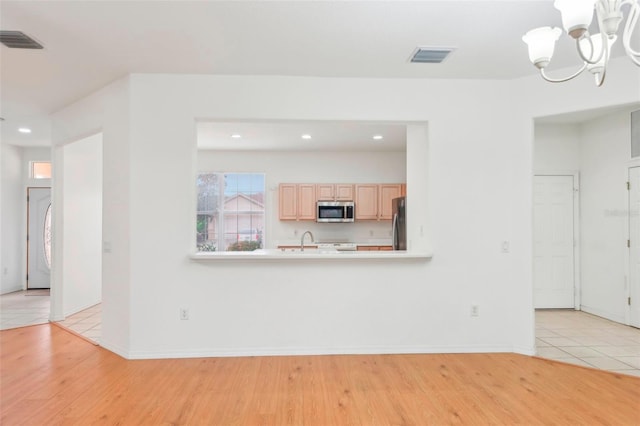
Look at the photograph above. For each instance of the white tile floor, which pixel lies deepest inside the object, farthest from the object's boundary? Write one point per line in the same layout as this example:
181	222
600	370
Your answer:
31	307
22	308
583	339
564	335
86	323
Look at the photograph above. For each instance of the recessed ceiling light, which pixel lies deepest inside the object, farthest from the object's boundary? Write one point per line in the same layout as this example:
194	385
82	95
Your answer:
306	136
377	137
236	136
24	130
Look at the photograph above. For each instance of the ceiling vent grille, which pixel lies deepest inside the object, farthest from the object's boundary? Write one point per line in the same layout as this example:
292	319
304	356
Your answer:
18	40
430	55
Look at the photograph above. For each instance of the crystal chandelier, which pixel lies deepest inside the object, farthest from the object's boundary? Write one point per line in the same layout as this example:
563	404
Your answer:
594	50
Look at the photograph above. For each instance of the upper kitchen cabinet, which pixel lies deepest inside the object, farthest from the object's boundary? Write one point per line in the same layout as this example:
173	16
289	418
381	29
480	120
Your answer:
373	202
387	193
297	201
334	192
366	202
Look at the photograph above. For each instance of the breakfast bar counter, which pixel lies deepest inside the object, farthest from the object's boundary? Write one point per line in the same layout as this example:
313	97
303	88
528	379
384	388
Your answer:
297	255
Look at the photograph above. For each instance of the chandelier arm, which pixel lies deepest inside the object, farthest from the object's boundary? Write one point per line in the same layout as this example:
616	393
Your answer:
562	80
579	49
588	37
600	77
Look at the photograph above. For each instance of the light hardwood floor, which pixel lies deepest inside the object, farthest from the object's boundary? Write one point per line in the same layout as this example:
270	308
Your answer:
50	377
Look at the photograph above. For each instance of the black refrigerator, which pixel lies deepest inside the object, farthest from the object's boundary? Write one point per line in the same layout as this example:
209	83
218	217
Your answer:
399	230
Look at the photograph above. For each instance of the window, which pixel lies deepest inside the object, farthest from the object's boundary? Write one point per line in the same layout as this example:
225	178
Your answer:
230	212
41	170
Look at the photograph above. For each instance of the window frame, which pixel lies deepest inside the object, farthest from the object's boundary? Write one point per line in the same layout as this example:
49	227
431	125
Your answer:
220	213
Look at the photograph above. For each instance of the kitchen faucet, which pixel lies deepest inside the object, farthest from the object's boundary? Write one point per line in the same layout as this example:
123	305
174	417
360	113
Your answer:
302	239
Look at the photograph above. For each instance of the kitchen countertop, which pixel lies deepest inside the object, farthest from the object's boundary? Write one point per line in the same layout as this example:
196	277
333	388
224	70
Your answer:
368	243
280	255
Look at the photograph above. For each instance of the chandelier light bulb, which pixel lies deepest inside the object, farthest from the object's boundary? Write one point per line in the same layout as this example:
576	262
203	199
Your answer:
576	19
542	43
576	15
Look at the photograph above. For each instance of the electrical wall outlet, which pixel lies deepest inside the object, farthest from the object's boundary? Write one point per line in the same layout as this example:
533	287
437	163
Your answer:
184	314
475	310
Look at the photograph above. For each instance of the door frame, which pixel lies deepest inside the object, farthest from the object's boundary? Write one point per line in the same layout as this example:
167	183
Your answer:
26	272
577	285
627	314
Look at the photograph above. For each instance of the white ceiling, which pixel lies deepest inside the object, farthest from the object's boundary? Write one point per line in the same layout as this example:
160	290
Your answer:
91	43
324	135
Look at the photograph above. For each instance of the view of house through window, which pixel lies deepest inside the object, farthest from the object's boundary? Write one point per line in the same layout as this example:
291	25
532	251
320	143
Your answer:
230	211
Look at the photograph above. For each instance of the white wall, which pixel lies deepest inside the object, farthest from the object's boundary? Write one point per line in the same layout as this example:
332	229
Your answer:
556	148
475	174
82	234
605	158
312	167
373	307
13	198
106	111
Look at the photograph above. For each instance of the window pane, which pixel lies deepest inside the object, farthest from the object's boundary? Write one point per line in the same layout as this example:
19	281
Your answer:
47	237
41	170
236	219
207	219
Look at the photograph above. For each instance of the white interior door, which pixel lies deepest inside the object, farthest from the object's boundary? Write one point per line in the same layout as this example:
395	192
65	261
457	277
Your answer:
553	251
634	249
39	238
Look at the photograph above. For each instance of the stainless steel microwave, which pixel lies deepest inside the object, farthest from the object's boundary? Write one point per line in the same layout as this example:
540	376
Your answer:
335	211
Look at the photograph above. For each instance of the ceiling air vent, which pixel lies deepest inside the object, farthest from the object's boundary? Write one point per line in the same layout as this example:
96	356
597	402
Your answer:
430	55
18	40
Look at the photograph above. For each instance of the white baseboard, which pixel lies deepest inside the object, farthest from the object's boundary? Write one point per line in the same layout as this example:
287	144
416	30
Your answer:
82	308
240	352
12	289
525	350
115	349
604	314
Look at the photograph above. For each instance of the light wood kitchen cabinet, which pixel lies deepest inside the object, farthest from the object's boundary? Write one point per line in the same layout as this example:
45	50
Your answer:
288	201
403	189
325	191
373	202
366	202
387	193
375	248
334	192
344	192
297	201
